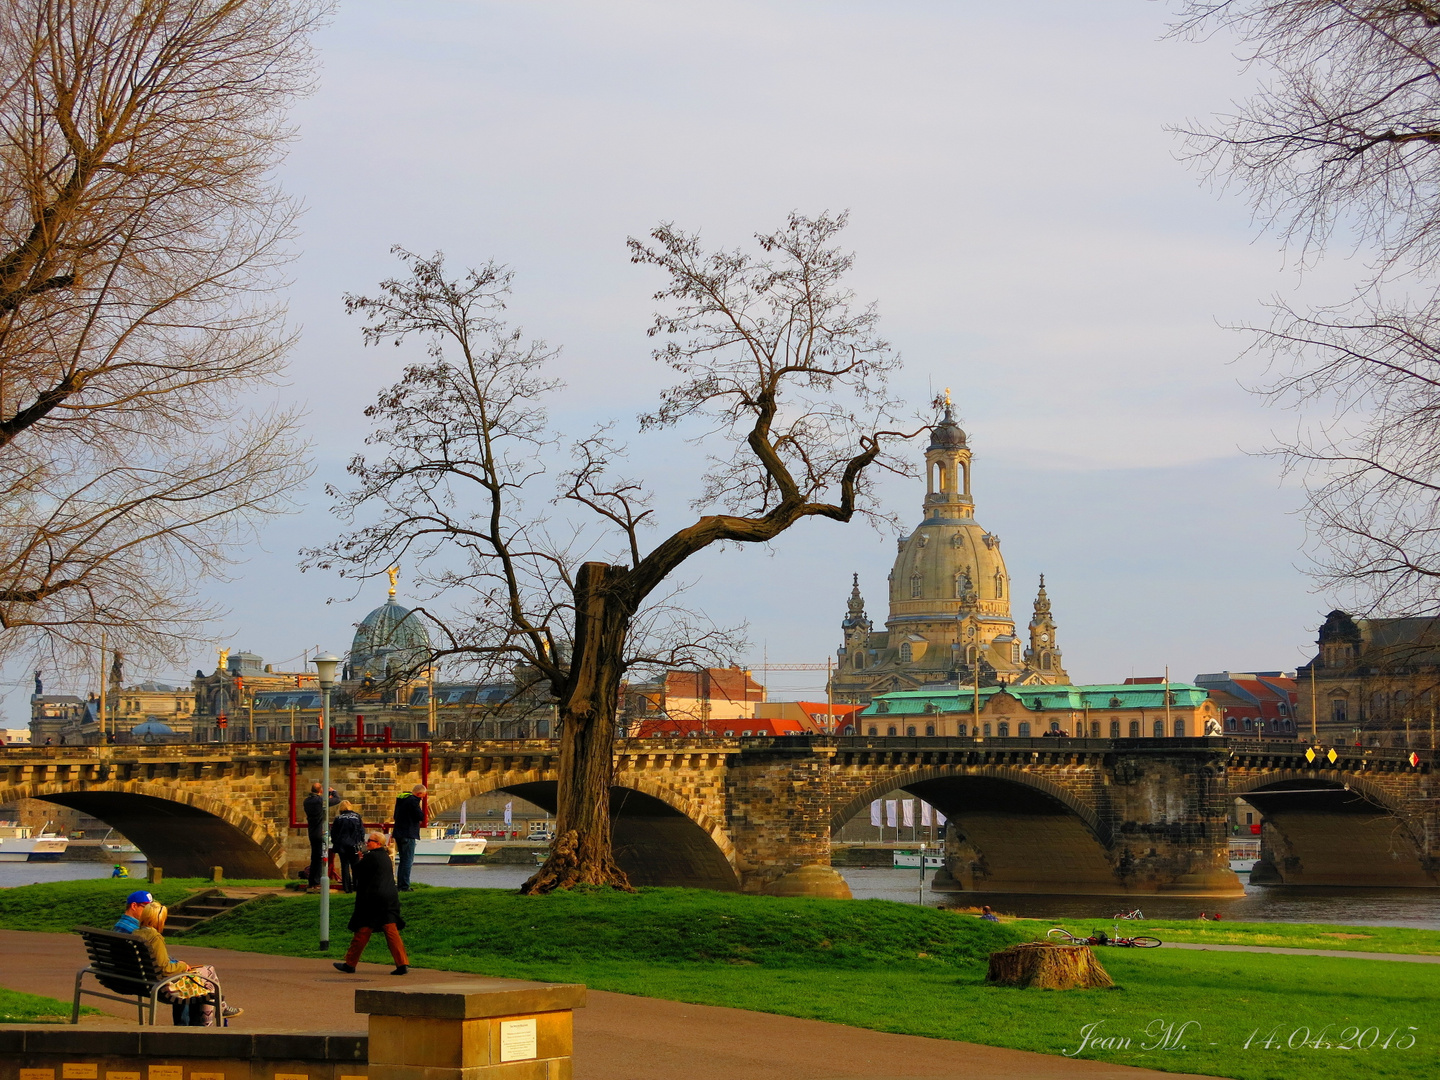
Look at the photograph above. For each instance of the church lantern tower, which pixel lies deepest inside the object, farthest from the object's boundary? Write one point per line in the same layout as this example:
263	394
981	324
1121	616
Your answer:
1044	653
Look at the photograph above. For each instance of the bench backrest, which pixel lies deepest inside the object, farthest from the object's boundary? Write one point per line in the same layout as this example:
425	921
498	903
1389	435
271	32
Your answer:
114	953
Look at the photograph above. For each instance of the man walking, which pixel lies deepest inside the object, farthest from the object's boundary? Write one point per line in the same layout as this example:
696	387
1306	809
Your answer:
409	818
315	826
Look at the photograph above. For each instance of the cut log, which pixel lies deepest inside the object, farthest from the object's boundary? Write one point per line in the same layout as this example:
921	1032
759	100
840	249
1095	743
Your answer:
1048	966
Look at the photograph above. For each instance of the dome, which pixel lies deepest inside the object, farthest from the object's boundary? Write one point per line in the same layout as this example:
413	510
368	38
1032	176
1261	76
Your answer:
152	727
946	565
947	434
391	641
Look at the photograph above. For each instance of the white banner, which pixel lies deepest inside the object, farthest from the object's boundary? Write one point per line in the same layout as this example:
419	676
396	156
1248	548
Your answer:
927	814
508	807
890	813
875	813
908	807
462	815
939	818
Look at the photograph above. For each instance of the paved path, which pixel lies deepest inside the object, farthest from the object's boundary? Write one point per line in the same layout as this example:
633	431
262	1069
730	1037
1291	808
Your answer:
1349	955
617	1036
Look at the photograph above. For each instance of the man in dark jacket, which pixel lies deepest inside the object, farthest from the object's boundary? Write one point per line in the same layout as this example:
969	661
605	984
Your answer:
409	819
315	826
347	840
377	907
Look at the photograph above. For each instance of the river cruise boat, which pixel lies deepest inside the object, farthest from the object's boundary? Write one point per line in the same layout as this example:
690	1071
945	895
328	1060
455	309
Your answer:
18	843
912	860
439	846
1244	854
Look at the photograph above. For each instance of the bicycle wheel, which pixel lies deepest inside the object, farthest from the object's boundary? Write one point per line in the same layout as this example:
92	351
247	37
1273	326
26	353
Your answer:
1061	934
1145	942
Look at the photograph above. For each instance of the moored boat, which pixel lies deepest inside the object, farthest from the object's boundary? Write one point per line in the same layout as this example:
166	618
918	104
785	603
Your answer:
18	843
438	846
912	860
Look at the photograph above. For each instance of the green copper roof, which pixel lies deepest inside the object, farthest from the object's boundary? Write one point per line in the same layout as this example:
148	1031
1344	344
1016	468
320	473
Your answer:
1100	697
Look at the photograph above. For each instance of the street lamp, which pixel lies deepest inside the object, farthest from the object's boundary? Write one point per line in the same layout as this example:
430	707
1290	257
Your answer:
325	672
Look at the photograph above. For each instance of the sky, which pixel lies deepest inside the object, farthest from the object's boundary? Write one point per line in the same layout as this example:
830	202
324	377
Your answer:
1020	212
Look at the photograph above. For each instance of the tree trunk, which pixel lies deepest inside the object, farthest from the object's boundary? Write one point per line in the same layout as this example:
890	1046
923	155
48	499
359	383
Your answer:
581	852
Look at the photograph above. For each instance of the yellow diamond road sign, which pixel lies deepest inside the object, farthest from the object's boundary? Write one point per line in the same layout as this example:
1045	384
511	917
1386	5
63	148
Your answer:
1310	754
1332	755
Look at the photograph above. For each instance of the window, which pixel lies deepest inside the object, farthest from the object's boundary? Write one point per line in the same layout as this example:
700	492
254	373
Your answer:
874	730
914	586
744	733
1015	652
962	731
999	585
1179	729
987	731
1338	710
882	706
1094	729
1004	729
1287	725
1054	725
1045	662
850	730
929	729
890	730
910	730
730	734
1024	731
1134	729
905	653
1114	729
1231	723
1159	729
1250	818
1249	723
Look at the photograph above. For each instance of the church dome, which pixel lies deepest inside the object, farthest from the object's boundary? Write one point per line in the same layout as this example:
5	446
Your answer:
390	641
947	435
947	565
152	727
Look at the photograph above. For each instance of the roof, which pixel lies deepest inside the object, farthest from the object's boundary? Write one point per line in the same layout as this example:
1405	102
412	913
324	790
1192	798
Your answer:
1099	696
710	684
389	641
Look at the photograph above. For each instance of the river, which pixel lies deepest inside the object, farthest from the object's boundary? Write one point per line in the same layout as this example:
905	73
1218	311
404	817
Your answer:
1418	908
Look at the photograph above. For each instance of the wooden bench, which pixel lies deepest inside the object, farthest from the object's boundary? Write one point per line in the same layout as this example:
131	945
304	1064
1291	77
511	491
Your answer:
123	965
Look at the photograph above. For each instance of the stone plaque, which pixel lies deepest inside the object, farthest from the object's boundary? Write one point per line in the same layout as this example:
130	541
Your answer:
79	1070
37	1074
167	1072
517	1040
121	1075
207	1076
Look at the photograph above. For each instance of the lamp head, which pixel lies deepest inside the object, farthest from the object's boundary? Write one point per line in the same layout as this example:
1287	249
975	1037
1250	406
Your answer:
325	668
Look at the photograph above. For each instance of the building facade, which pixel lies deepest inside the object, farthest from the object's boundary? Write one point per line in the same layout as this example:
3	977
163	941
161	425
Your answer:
1372	682
949	598
1255	705
1149	710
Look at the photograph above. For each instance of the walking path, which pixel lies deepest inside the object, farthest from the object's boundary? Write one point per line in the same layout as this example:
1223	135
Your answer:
617	1036
1407	958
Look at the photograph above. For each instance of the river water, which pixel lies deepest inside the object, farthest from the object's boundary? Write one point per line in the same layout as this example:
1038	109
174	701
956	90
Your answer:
1417	908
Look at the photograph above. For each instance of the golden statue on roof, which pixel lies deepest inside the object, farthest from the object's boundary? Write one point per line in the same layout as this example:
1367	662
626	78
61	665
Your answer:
224	659
394	572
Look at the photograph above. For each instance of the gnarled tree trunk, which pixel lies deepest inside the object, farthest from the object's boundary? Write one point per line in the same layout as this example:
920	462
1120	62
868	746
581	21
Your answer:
581	852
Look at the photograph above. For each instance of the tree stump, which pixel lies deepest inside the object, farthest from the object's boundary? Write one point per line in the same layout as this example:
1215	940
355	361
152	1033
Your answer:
1048	966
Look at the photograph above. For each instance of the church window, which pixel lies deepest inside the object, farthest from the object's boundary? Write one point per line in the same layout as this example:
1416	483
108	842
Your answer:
1134	729
905	653
1179	729
999	586
929	729
1015	652
1024	729
1159	729
914	586
1114	729
1045	662
890	730
910	730
1004	729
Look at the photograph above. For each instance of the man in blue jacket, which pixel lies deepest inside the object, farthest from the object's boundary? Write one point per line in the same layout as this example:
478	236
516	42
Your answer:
409	818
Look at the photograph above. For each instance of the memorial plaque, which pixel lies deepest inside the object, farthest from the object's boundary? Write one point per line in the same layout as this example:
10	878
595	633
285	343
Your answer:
79	1070
207	1076
167	1072
37	1074
517	1040
122	1075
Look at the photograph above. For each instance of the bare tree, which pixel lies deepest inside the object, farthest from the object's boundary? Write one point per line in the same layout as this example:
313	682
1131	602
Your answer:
777	366
140	236
1342	145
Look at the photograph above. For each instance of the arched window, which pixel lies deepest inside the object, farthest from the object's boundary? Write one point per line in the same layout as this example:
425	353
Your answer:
1045	662
1004	729
850	729
1179	729
910	730
1094	729
999	585
1114	729
1159	729
890	730
962	731
882	706
905	653
1054	725
929	729
874	730
987	731
1024	729
1230	723
914	586
1134	729
1249	723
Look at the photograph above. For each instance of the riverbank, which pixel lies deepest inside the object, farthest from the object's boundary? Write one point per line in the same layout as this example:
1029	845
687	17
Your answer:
874	964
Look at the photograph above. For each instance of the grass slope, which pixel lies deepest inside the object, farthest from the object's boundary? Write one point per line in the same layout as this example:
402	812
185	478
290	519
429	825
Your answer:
875	964
18	1008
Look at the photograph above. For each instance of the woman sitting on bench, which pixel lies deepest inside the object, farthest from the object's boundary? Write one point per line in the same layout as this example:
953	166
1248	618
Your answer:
192	998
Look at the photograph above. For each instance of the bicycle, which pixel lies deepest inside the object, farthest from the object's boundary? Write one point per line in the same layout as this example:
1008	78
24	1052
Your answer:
1141	942
1136	914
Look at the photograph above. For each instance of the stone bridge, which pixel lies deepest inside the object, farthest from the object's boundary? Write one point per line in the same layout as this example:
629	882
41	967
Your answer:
1100	816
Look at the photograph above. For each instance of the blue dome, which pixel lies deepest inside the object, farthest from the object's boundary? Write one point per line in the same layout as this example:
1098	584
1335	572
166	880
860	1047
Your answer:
152	727
389	642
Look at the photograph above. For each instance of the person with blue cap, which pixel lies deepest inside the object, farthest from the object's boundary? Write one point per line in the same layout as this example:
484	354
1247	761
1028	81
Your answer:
134	904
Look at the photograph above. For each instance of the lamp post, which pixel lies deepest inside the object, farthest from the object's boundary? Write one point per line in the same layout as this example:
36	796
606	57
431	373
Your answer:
325	672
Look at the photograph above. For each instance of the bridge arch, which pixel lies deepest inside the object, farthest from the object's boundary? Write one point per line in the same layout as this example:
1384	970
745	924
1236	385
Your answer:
184	831
1008	830
661	835
1325	827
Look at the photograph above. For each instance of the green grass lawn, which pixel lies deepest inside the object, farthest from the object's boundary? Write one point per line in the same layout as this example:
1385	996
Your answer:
1384	939
881	965
18	1008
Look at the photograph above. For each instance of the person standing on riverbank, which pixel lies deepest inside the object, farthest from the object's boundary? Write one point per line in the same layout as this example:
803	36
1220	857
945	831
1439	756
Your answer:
409	819
377	907
347	840
315	827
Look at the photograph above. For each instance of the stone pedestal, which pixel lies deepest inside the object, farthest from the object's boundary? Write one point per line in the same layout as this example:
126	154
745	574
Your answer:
812	880
474	1030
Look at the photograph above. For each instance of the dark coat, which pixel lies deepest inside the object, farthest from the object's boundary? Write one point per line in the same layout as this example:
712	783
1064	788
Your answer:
347	831
377	901
409	816
315	814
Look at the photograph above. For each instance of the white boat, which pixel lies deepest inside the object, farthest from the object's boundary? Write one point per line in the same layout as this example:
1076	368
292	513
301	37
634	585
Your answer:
1243	866
912	860
19	844
1244	854
439	846
122	852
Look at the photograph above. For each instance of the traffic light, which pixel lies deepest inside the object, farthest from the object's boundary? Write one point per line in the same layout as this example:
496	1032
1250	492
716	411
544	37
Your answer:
222	722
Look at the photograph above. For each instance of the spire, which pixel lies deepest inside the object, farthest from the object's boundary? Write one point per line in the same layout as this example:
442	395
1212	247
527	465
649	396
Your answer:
1042	599
855	608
